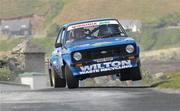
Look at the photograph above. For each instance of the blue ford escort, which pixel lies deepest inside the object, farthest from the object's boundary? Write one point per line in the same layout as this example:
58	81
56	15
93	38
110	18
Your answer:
93	48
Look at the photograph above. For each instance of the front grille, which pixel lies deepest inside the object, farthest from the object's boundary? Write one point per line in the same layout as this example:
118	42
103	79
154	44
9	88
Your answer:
111	51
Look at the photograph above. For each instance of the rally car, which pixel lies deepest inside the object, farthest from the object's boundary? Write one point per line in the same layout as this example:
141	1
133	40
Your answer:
93	48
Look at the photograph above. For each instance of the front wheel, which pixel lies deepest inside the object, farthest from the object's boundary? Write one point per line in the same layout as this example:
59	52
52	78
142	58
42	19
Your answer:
56	81
72	82
133	74
50	77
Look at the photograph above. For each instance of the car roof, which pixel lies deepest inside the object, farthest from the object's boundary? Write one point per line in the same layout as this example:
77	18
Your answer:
85	21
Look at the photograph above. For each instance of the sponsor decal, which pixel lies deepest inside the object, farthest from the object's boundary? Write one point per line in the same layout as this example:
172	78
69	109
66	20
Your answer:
90	24
104	23
82	25
107	66
101	43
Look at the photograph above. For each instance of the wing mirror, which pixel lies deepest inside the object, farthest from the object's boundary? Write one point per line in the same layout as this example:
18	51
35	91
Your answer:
57	45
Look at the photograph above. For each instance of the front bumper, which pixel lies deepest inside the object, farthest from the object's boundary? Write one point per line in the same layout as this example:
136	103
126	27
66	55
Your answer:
98	68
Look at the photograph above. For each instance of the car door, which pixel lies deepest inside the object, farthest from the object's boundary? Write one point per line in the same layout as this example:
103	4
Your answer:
58	52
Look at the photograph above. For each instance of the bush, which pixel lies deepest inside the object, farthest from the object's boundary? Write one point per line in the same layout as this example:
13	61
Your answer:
5	74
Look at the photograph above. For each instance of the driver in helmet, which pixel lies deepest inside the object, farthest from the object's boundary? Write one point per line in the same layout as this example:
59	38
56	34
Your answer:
75	34
103	30
108	29
79	33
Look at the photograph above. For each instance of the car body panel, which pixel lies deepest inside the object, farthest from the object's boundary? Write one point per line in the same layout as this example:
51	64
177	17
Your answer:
96	43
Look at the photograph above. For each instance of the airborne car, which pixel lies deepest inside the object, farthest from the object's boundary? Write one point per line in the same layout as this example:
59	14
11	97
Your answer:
93	48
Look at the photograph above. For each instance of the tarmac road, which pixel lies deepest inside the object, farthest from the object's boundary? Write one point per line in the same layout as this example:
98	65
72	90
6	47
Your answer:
89	99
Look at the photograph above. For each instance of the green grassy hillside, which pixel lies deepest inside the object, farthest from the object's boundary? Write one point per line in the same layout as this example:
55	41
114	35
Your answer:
16	8
172	83
47	9
148	11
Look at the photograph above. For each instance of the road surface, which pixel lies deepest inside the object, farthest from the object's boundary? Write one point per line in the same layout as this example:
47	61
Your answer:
88	99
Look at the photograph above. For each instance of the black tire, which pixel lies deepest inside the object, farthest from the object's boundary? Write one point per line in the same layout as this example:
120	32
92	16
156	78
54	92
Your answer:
133	74
56	81
72	82
50	77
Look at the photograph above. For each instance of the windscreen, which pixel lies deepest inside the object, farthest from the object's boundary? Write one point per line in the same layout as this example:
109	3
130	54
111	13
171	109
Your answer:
94	30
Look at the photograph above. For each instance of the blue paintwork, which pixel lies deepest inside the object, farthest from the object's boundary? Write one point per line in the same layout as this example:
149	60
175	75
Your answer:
88	44
61	56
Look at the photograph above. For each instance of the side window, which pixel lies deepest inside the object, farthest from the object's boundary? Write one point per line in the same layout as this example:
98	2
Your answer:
58	40
63	40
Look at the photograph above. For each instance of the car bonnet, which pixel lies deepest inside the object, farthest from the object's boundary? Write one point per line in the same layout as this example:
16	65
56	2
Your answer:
95	43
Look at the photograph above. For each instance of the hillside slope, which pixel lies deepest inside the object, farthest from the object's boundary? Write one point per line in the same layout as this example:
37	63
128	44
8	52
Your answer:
72	10
146	10
16	8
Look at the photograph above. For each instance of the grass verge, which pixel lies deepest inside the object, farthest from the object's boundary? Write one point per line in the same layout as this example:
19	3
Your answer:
173	82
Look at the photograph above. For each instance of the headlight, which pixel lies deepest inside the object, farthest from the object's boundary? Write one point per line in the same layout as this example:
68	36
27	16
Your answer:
77	56
130	48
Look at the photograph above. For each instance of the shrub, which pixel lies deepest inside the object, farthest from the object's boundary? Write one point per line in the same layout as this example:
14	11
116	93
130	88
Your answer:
5	74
